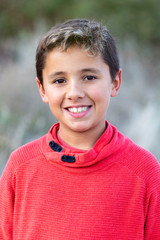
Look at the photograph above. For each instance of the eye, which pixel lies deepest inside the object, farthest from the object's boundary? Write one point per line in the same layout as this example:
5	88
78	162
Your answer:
59	81
89	78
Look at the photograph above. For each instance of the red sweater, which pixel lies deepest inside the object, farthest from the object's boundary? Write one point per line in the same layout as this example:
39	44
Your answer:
53	193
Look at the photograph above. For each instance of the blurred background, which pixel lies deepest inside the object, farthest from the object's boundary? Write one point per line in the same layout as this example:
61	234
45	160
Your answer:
136	27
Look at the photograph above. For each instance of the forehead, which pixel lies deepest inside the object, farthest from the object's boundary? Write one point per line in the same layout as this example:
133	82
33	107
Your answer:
73	55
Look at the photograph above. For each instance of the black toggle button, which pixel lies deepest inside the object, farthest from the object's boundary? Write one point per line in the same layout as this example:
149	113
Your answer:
55	147
69	159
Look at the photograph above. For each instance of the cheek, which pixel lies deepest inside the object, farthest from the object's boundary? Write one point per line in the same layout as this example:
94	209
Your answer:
100	95
54	100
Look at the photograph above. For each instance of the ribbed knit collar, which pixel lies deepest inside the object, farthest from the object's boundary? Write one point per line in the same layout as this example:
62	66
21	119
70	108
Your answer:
104	147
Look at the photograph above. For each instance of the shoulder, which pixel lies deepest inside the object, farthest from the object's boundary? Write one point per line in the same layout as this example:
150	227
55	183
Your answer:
21	155
129	150
31	149
140	162
138	154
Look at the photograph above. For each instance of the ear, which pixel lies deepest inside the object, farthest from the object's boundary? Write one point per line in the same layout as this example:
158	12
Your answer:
116	83
42	91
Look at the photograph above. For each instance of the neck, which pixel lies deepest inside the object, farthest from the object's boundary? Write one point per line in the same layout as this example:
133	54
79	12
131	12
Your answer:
81	140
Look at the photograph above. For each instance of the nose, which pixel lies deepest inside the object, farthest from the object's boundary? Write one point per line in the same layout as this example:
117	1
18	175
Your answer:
75	91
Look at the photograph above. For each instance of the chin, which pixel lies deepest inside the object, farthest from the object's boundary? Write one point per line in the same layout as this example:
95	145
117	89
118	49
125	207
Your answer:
81	127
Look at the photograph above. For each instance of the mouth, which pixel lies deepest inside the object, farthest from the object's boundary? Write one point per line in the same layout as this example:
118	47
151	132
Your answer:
78	109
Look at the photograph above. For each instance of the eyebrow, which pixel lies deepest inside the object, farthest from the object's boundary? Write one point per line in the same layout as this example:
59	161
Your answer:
93	70
55	74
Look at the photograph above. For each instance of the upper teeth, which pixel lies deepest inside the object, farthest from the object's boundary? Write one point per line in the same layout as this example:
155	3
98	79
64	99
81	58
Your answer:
78	110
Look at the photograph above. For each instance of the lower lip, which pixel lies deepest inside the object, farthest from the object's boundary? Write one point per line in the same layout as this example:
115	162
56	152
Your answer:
79	115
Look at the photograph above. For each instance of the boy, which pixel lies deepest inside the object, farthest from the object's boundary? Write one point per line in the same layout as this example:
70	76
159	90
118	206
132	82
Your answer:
84	179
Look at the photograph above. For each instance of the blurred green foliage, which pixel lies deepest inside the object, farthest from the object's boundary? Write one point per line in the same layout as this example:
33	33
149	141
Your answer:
140	18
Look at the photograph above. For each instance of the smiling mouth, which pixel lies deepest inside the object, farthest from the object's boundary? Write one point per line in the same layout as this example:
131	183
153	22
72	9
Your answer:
78	109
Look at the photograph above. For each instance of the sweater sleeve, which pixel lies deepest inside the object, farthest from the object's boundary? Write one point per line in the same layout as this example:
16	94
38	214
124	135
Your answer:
152	224
152	203
7	202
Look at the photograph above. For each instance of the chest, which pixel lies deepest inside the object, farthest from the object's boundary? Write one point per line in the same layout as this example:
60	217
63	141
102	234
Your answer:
98	204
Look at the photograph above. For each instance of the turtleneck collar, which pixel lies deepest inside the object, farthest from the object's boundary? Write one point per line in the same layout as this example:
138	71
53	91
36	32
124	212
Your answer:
104	147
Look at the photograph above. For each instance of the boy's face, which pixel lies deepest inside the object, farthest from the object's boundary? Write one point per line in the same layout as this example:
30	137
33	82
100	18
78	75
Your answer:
78	86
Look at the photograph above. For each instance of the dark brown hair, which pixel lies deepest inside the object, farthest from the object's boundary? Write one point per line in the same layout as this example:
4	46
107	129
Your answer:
92	36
